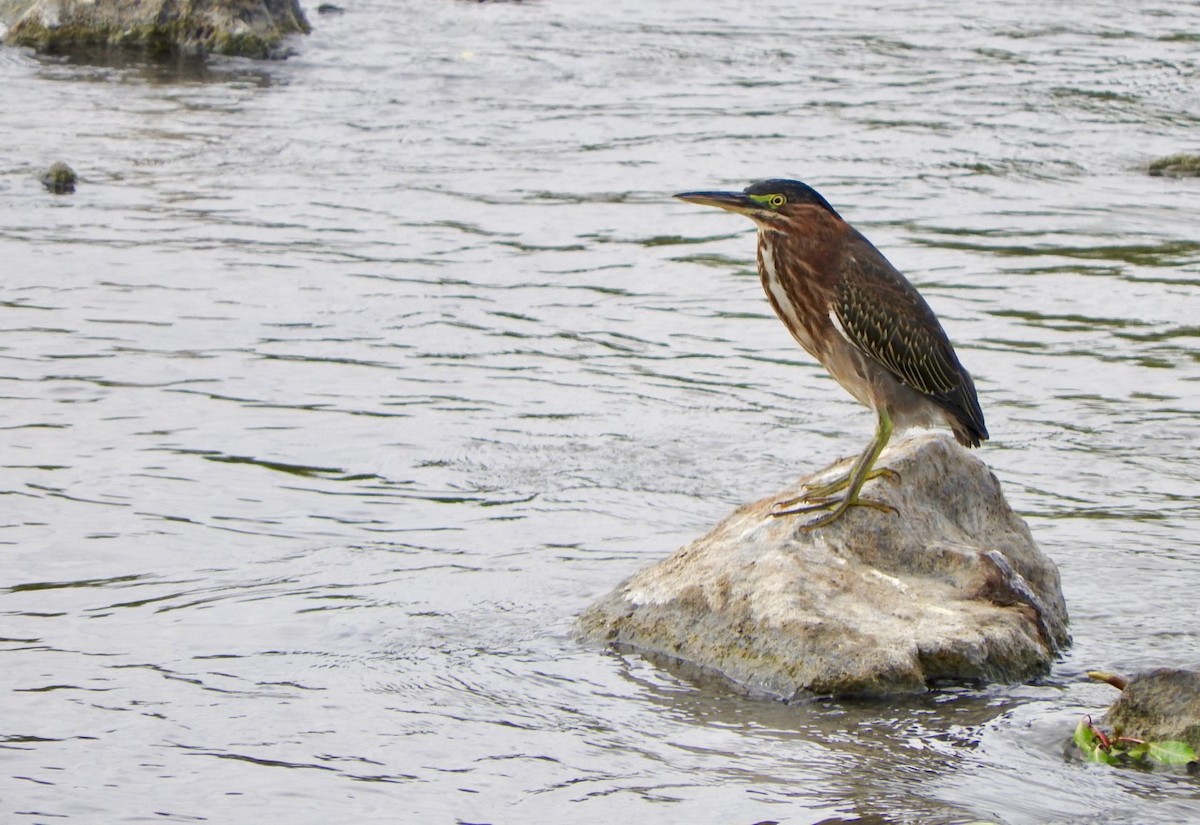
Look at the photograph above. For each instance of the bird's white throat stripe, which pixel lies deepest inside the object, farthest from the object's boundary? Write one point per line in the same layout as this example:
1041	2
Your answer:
780	296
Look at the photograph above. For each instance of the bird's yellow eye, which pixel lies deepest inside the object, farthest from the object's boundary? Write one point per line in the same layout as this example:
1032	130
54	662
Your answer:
776	201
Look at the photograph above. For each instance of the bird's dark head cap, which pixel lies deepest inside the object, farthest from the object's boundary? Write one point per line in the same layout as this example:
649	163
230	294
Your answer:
764	201
792	191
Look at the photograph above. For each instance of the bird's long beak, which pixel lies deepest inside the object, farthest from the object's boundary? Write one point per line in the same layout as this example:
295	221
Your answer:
733	201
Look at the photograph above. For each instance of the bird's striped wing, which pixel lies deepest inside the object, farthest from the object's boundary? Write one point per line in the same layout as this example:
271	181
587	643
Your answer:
884	316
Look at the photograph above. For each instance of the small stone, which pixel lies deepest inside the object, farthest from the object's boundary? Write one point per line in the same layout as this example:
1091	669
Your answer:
949	588
59	178
1158	706
1176	166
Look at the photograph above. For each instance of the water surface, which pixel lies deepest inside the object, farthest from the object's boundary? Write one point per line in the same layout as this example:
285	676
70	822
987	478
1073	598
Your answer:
342	384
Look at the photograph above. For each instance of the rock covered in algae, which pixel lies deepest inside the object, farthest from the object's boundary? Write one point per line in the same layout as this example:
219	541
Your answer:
1159	705
1176	166
60	178
248	28
949	588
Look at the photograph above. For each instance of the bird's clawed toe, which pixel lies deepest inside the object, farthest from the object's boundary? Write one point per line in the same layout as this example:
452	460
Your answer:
836	507
819	492
885	472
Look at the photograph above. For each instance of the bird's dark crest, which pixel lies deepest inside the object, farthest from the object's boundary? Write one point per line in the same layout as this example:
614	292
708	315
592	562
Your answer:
793	190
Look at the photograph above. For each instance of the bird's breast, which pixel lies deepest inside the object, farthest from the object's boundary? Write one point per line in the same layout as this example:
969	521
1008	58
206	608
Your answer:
791	297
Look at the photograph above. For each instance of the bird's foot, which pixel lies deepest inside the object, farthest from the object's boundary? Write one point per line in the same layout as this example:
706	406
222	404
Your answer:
837	508
820	492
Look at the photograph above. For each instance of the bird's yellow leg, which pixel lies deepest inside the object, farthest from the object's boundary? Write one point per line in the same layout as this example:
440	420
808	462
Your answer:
859	473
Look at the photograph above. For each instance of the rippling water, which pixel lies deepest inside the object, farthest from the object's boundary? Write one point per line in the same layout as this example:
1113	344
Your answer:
342	384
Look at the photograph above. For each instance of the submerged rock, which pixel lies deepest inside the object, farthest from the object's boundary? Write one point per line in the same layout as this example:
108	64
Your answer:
1176	166
951	587
248	28
1158	705
59	178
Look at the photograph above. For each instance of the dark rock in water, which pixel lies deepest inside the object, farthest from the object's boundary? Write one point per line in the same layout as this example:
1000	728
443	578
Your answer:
1159	705
247	28
950	588
59	178
1176	166
330	8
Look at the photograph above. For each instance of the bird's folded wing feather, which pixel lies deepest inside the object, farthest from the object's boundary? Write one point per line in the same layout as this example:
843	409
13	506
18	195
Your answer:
888	320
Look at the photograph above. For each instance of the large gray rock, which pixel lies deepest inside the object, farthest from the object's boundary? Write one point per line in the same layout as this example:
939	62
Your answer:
951	587
249	28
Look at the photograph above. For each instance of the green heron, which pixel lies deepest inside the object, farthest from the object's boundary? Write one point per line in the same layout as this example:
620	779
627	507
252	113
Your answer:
857	315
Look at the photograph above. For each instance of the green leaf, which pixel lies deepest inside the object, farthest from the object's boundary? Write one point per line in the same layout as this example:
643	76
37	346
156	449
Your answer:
1171	753
1138	752
1085	738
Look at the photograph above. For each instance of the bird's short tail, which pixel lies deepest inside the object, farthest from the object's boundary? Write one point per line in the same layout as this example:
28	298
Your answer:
969	433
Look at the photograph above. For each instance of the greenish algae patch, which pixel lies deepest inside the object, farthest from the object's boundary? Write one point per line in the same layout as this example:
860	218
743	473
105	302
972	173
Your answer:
187	33
1176	166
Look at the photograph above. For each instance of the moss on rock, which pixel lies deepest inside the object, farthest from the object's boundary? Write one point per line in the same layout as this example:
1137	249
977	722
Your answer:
1178	166
245	28
59	178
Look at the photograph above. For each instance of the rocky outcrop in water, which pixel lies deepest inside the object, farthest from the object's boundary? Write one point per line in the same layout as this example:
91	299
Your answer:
1158	705
949	588
248	28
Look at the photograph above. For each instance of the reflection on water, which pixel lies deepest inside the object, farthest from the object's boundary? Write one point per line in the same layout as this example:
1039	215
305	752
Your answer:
106	64
342	384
